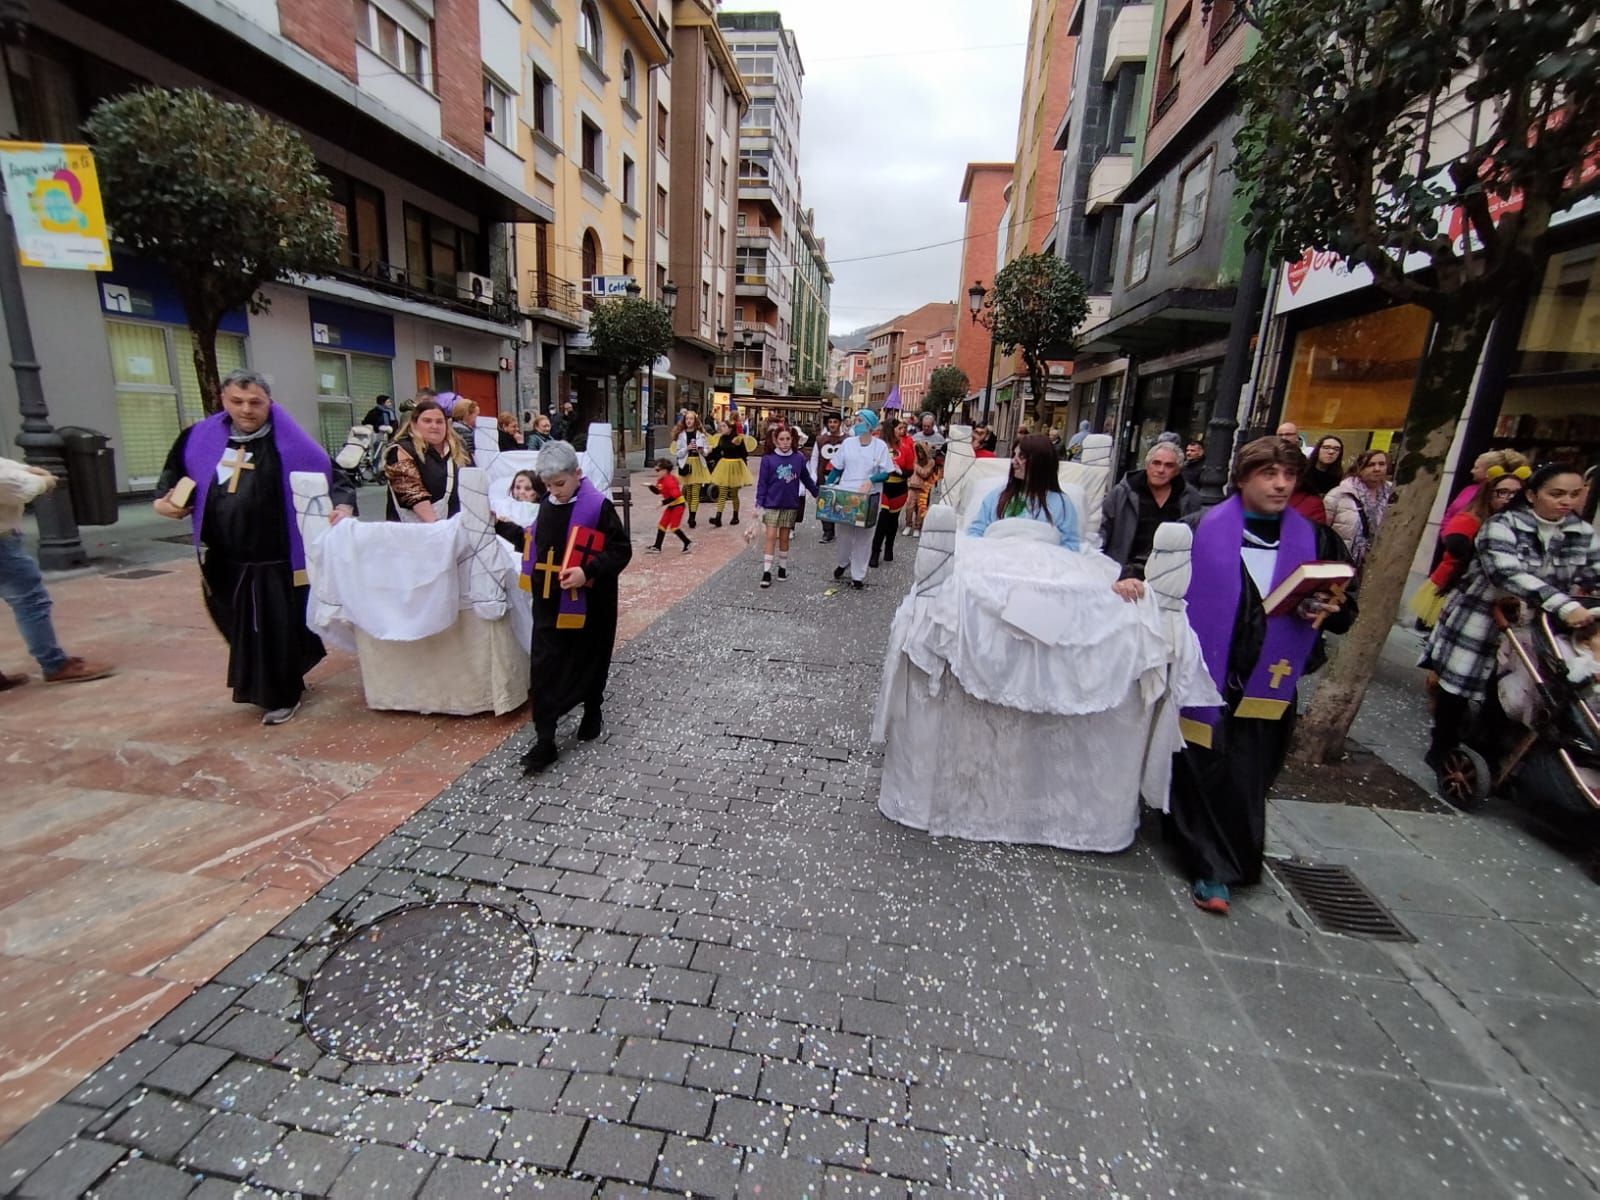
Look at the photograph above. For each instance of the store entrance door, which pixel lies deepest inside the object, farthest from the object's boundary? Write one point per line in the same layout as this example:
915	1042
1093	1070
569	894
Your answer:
483	387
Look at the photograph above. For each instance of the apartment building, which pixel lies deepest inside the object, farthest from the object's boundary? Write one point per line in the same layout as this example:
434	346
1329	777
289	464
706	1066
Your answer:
709	99
767	238
596	129
920	360
985	195
409	104
1153	361
1029	220
813	291
890	342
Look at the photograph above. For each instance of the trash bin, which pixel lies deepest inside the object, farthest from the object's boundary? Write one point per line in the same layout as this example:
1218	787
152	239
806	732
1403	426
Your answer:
91	475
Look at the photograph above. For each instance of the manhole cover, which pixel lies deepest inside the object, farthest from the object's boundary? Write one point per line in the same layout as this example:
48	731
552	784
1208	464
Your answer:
419	982
138	573
1338	901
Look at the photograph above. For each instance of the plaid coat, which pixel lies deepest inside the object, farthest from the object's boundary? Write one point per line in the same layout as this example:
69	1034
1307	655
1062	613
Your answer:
1511	561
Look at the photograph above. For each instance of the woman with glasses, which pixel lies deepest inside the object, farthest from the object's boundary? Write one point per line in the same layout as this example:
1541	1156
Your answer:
1457	539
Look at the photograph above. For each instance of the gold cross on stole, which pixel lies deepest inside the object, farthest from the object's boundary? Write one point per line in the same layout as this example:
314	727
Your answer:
550	567
1278	670
240	461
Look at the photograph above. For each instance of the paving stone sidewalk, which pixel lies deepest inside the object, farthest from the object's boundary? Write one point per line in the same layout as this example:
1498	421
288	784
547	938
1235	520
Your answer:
752	984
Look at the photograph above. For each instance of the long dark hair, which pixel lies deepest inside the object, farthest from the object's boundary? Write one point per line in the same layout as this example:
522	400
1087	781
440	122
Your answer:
1040	475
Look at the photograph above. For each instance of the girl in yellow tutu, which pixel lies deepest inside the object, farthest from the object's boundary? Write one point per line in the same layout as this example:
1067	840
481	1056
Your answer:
731	468
689	447
1499	488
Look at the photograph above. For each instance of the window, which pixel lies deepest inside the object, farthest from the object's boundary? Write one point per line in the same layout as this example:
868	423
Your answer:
722	180
661	210
758	119
347	384
497	121
661	128
705	302
589	29
1173	49
627	265
358	208
398	34
1193	191
436	250
157	391
706	227
1143	243
630	82
711	151
741	220
544	103
629	197
593	160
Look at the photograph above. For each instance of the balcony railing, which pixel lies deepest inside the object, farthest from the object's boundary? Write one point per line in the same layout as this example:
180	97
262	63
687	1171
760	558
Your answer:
401	284
553	295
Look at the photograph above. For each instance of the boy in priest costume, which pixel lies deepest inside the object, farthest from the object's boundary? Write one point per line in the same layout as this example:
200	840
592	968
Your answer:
1243	548
574	556
230	473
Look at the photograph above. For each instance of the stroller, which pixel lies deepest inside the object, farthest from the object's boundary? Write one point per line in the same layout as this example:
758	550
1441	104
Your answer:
1538	724
361	456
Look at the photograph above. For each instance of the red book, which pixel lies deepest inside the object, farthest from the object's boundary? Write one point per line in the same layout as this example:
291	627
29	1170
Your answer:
1304	580
583	544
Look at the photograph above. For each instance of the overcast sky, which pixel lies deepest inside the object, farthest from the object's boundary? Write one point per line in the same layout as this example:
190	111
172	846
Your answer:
899	96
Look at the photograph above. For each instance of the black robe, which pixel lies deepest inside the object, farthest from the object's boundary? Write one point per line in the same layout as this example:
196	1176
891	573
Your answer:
247	579
569	666
1218	812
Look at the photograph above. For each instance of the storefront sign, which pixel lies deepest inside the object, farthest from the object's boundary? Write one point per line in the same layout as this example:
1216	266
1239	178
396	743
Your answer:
610	285
323	334
54	198
744	383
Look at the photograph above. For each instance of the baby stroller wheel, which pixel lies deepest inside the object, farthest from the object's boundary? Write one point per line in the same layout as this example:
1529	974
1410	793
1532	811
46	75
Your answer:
1464	779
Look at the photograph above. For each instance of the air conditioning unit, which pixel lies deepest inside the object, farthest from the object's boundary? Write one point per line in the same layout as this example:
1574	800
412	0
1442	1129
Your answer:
479	288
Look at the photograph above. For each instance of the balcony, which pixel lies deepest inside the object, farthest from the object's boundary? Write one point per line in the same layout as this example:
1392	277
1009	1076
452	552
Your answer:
397	283
553	298
760	284
759	328
757	237
1107	180
1129	41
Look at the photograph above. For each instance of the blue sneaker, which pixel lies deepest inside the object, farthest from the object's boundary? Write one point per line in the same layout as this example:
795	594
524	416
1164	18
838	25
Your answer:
1211	897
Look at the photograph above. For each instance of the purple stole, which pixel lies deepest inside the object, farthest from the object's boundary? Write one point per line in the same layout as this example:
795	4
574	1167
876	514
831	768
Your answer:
1213	602
584	540
208	441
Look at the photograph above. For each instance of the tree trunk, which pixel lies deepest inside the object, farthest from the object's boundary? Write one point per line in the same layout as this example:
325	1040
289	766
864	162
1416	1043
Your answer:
1036	384
203	336
1444	382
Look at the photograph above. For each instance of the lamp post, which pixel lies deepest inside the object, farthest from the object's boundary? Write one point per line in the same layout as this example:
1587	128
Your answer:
975	295
59	544
669	301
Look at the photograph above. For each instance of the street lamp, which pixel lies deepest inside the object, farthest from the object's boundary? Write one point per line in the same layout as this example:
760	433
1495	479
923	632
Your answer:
669	301
975	297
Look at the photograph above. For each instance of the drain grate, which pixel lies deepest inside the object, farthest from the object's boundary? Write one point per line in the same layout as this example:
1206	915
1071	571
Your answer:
419	982
138	573
1338	900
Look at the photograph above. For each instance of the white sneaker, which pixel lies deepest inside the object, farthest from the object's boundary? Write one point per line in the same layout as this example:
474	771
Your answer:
280	716
916	533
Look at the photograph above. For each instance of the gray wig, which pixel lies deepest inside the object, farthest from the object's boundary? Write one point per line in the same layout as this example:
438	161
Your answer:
556	458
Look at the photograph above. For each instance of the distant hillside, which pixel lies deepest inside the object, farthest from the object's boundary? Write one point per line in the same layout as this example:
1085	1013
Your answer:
856	339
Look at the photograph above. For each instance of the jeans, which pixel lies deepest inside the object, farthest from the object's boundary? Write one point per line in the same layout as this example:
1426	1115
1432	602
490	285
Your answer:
23	589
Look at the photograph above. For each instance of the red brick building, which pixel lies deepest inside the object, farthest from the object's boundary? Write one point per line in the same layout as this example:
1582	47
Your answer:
984	192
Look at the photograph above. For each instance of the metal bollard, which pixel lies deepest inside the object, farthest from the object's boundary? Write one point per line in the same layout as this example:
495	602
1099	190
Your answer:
622	498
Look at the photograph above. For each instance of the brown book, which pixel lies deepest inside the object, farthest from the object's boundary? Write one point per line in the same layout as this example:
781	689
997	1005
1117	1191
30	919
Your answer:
1304	580
182	494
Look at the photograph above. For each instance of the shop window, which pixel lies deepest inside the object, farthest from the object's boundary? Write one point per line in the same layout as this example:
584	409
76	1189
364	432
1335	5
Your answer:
347	384
1194	189
1562	329
1355	377
1142	244
158	390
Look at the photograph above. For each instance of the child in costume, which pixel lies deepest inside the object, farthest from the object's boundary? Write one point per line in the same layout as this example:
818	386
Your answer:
576	550
732	469
783	473
895	490
689	448
526	491
921	480
860	464
672	505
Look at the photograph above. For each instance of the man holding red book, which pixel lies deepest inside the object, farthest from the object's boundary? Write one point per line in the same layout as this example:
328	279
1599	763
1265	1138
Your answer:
1245	548
576	552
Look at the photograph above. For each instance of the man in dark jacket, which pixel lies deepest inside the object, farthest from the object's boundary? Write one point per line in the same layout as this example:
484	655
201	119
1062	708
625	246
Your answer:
1140	502
1194	461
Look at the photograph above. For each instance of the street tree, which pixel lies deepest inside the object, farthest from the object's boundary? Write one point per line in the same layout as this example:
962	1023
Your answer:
224	196
1429	141
809	387
629	333
1037	305
947	387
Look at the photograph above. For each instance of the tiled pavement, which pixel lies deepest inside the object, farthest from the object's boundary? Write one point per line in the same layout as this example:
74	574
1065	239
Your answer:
151	829
751	983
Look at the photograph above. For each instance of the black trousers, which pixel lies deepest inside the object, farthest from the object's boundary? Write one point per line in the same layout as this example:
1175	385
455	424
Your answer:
883	536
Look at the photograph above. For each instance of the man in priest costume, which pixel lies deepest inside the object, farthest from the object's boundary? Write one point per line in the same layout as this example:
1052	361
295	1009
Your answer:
230	472
1243	548
571	565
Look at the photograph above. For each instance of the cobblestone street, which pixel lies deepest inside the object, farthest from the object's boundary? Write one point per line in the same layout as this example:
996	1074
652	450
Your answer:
751	983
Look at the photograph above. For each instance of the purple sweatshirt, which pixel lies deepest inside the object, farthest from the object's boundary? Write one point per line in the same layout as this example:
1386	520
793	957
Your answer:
778	485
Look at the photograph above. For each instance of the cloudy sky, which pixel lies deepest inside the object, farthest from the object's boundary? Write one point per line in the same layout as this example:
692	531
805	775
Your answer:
899	96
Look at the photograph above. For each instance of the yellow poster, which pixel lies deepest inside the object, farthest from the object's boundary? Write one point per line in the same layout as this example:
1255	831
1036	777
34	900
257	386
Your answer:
1382	439
54	197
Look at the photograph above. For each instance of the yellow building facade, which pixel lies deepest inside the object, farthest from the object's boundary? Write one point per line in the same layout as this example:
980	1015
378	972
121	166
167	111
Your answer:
594	124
